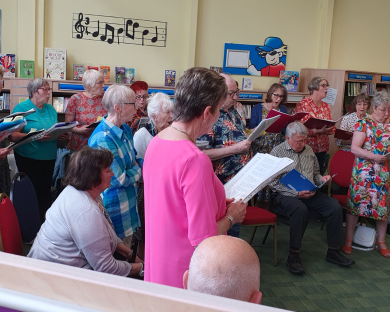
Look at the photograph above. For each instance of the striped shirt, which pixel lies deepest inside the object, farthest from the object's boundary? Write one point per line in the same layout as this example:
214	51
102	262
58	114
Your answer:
120	200
306	163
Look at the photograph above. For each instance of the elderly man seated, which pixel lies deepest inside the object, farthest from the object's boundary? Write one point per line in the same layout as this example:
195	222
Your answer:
225	266
296	205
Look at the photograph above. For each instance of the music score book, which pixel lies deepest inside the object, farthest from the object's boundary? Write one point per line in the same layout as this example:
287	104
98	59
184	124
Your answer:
255	175
343	135
296	181
263	126
316	123
23	114
283	121
60	128
33	135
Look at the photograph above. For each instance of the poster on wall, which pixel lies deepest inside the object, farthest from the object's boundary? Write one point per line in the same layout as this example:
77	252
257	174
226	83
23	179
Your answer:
267	59
119	30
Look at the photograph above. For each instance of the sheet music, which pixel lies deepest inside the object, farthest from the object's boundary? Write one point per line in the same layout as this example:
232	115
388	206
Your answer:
255	175
264	124
119	30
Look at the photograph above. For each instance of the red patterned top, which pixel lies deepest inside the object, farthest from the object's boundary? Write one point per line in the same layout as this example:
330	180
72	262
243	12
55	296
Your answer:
318	142
133	123
84	110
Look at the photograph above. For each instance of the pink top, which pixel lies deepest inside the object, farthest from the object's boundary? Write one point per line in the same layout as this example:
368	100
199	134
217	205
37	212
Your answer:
183	200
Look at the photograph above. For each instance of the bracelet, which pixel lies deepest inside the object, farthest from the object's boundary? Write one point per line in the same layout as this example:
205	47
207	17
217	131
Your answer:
231	220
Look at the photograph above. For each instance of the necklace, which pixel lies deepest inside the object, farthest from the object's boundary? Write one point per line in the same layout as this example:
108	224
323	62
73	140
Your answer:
183	132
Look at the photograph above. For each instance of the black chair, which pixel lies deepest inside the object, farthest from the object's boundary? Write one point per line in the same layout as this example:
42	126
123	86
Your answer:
25	202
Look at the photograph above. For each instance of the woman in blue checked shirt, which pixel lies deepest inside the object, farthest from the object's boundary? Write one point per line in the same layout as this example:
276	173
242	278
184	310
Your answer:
120	200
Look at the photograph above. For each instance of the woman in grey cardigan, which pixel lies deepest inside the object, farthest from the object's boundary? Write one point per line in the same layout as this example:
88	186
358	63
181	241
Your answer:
78	230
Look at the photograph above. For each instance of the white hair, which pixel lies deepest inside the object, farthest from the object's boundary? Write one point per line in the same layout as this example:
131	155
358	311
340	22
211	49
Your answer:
236	281
116	94
157	102
296	127
380	98
90	77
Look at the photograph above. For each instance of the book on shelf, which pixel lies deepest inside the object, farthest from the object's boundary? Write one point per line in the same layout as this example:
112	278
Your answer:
262	126
255	175
89	67
130	75
33	135
60	128
296	181
247	83
58	103
7	61
170	78
78	71
343	135
105	70
120	75
5	101
289	79
26	69
283	121
355	88
247	111
316	123
55	63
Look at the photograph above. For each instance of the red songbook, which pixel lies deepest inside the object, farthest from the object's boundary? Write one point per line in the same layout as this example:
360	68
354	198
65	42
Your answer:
284	120
315	123
343	135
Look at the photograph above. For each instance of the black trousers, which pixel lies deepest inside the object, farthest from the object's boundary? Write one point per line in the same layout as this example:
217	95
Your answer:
40	173
298	212
321	161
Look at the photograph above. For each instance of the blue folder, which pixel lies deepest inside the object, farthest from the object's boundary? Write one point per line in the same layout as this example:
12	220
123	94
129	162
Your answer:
296	181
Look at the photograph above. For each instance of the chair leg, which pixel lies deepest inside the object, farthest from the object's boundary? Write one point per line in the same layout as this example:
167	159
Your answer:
275	246
253	235
266	234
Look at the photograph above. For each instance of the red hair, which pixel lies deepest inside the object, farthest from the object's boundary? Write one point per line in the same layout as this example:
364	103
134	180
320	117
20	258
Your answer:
139	86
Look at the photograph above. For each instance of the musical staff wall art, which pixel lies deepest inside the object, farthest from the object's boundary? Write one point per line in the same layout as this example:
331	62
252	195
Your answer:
119	30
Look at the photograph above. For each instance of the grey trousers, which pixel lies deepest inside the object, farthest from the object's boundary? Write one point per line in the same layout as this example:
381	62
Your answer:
298	210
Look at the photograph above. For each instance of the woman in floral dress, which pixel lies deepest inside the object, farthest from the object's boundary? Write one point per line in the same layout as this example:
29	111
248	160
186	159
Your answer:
368	194
276	97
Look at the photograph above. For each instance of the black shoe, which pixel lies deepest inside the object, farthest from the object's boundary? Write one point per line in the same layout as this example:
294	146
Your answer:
294	264
337	258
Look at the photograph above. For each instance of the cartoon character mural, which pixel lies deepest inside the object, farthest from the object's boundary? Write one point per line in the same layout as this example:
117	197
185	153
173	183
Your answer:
273	50
257	60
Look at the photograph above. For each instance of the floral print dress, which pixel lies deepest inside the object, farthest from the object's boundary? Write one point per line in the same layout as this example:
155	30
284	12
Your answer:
368	191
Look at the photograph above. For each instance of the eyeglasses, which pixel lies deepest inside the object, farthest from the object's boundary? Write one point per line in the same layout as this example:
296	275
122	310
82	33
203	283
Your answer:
231	94
300	141
278	96
361	104
264	53
130	104
45	89
140	97
100	82
384	110
324	85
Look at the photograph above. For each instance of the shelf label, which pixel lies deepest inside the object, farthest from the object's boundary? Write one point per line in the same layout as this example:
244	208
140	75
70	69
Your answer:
250	96
385	78
359	77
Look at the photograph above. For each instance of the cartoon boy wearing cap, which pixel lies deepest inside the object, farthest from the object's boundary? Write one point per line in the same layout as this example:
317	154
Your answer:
273	49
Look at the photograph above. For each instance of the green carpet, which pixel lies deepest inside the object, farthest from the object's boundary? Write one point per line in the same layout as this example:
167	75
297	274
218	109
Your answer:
364	286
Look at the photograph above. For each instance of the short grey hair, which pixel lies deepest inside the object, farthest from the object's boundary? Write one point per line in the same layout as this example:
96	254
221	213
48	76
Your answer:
296	127
314	84
90	77
380	98
116	94
157	103
35	84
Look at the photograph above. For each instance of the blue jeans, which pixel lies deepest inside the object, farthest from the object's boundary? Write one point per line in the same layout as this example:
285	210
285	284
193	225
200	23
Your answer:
235	230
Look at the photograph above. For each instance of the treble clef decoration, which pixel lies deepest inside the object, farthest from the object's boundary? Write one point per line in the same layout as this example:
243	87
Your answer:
78	27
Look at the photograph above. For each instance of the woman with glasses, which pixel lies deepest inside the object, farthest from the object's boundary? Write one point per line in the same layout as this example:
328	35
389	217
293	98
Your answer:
368	194
240	109
276	97
114	134
360	105
318	139
85	107
37	158
140	89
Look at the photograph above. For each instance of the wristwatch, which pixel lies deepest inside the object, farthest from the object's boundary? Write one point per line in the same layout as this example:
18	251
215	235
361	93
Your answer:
141	272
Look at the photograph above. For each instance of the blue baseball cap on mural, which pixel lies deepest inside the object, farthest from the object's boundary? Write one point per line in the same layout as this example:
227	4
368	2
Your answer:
271	43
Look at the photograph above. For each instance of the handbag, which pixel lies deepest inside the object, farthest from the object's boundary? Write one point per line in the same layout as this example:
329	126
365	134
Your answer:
364	238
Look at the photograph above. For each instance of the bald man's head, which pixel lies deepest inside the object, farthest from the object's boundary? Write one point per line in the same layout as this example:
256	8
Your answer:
225	266
232	87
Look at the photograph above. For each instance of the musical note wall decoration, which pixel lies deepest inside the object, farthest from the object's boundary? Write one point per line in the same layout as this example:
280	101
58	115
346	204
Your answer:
119	30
